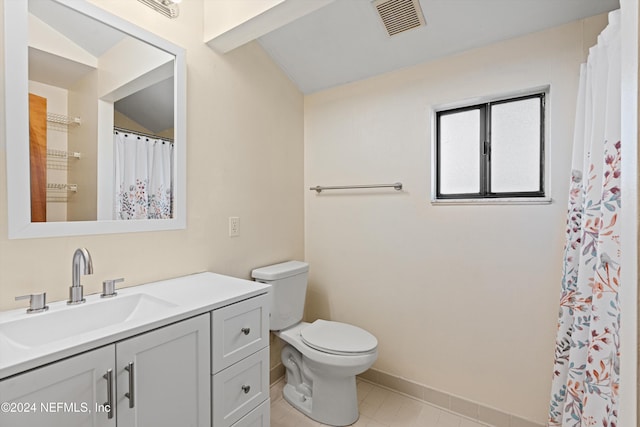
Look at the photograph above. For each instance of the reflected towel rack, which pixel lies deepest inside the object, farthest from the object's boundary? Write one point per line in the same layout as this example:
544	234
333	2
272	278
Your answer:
60	154
61	119
59	193
396	185
62	187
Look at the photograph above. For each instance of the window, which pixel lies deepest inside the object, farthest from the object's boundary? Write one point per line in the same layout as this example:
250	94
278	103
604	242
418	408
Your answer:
491	150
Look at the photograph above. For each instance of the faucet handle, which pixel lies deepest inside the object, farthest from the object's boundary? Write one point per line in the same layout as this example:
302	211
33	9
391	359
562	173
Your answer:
37	302
109	287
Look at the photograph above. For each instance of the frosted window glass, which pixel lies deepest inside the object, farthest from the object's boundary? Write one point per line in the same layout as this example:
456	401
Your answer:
515	146
459	152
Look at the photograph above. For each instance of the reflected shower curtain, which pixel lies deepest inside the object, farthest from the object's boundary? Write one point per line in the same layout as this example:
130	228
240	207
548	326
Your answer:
143	177
586	372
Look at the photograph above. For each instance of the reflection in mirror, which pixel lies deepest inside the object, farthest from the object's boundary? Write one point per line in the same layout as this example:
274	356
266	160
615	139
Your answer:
105	122
70	69
144	129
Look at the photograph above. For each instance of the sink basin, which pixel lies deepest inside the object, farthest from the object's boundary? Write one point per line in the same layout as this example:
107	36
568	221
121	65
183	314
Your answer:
69	321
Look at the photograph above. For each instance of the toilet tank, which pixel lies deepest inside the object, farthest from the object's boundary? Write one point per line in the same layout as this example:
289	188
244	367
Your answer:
288	282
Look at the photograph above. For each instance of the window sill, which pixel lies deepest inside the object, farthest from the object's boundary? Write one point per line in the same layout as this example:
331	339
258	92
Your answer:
496	201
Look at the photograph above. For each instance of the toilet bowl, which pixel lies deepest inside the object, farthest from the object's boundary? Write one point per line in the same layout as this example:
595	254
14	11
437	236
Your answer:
321	383
321	358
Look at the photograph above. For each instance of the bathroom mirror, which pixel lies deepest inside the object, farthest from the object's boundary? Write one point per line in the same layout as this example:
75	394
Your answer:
73	73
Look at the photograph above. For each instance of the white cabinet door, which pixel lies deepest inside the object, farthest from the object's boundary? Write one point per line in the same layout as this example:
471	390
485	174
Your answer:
68	393
165	376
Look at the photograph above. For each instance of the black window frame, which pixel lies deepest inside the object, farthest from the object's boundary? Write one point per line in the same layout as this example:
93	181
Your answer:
484	151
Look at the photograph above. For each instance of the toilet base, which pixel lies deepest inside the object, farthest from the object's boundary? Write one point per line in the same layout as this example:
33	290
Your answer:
298	400
332	401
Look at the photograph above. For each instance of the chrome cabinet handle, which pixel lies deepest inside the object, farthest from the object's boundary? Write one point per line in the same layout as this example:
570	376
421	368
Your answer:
246	388
109	403
245	331
130	394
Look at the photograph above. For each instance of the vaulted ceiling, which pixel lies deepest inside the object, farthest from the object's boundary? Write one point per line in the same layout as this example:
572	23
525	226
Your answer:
345	41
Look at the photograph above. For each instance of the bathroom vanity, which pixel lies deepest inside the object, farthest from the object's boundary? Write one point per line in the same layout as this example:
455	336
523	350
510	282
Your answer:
190	351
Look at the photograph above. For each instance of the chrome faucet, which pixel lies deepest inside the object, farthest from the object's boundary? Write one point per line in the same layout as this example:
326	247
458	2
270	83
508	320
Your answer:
81	259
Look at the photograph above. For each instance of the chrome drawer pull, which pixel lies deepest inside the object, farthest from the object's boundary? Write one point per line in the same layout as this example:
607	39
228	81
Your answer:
246	388
109	403
245	331
129	395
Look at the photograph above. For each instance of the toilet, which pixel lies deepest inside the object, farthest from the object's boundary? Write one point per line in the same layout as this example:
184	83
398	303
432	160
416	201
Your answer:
321	358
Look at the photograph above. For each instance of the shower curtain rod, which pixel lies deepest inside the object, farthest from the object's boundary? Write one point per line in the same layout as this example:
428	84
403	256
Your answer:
150	135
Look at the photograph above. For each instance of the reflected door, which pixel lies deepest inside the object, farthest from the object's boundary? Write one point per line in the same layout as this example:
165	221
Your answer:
38	156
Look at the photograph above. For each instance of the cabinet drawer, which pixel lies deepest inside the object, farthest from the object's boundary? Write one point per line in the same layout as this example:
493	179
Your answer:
259	417
240	388
239	330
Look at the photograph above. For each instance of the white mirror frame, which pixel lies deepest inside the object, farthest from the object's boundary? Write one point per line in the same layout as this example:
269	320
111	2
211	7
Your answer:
17	130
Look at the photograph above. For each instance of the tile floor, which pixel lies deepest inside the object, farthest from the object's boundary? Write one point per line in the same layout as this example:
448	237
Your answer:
378	406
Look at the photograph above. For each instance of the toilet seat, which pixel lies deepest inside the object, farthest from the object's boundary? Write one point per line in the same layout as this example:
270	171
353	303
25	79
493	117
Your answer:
338	338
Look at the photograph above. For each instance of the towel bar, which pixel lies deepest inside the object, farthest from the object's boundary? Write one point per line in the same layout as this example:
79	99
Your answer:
318	188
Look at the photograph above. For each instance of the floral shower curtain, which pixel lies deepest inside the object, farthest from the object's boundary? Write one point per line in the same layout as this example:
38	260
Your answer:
586	372
144	169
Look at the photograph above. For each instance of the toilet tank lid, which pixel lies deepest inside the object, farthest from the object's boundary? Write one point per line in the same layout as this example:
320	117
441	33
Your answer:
280	271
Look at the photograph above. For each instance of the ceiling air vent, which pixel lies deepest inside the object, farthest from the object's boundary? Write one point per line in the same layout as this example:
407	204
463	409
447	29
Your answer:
399	15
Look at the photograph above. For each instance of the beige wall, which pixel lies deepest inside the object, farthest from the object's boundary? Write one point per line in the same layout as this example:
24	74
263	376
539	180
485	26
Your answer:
83	205
462	299
224	15
244	155
638	284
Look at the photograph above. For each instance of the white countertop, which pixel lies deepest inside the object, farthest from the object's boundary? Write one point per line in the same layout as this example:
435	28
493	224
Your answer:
188	296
